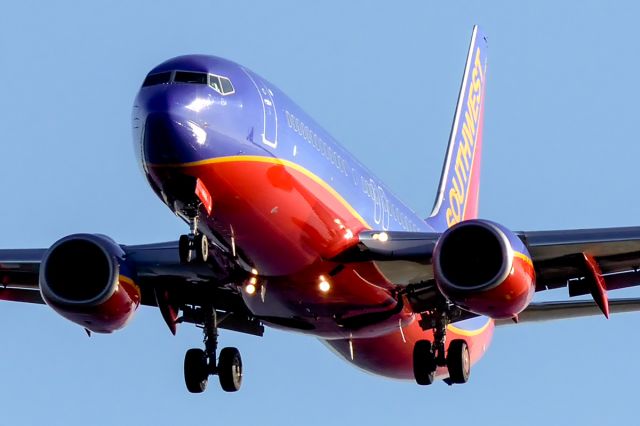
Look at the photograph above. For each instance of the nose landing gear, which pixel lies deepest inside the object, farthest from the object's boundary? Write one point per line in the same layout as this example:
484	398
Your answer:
428	356
200	364
194	245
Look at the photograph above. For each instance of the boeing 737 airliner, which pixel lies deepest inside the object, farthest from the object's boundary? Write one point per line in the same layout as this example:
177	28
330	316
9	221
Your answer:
287	229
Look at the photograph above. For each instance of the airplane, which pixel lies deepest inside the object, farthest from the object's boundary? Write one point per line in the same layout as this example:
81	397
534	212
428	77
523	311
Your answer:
286	229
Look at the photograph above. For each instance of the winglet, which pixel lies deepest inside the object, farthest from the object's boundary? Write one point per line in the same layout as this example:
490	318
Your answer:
457	197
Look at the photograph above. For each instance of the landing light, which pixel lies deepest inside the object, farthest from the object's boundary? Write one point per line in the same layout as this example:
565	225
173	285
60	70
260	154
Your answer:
252	285
324	285
383	237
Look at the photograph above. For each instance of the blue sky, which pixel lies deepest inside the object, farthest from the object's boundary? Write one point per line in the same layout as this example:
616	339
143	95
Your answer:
560	151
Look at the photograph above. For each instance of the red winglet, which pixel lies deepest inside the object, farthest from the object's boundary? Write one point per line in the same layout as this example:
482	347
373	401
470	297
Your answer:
599	287
204	196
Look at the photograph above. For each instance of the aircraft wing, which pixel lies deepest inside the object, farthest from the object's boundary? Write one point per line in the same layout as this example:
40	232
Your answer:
19	275
558	257
163	280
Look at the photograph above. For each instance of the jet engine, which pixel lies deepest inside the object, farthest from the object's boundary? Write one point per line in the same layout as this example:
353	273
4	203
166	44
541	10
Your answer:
484	268
85	278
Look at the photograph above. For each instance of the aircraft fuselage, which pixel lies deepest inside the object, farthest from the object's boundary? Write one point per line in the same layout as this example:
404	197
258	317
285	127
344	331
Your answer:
287	198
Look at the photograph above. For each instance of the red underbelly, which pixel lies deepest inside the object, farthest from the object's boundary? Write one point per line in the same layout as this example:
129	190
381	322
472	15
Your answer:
283	218
288	224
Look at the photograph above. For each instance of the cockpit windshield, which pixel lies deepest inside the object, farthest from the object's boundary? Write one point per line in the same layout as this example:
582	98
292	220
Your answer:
190	77
220	84
160	78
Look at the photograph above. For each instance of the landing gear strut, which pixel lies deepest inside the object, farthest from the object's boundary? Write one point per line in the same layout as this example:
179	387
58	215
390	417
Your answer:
194	245
200	364
428	356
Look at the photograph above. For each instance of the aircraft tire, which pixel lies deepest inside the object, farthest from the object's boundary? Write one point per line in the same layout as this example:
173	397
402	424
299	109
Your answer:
424	363
230	369
184	249
202	248
459	361
196	371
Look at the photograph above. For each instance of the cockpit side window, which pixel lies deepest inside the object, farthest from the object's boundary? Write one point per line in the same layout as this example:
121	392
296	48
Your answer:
190	77
221	84
159	78
227	87
214	82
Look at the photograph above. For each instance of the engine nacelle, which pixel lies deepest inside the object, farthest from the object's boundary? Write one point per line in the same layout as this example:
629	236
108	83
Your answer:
85	278
484	268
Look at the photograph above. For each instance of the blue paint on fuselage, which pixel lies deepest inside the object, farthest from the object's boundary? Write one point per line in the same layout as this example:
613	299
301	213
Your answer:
193	122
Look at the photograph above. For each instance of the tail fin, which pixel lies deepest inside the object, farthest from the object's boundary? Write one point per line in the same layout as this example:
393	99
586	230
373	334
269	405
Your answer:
457	197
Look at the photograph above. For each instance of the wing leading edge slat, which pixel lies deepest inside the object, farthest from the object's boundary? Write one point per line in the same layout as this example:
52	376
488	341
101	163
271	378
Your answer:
549	311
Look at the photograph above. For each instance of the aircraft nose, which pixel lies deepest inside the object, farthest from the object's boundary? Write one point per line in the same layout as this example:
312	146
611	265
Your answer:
172	138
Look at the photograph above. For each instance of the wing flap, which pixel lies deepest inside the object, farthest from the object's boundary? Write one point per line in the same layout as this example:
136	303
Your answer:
20	268
21	295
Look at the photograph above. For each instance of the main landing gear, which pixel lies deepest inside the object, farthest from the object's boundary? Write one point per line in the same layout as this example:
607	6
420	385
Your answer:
194	245
200	364
428	356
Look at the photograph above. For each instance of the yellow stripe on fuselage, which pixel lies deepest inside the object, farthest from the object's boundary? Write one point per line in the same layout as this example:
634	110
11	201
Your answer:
277	161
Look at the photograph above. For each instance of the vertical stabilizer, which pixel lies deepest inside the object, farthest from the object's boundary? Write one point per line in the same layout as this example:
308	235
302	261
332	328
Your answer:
457	197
